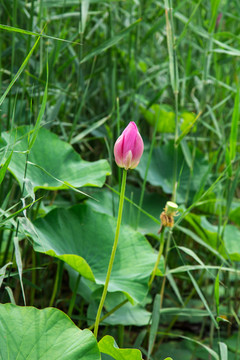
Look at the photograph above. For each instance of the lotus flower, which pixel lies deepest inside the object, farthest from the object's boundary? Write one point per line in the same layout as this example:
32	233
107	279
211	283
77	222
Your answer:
129	147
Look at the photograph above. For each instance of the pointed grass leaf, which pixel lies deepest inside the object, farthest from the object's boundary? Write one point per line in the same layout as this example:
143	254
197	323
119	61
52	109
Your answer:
89	235
32	33
89	129
223	351
84	13
192	254
19	72
40	115
200	343
186	152
234	127
198	290
198	239
216	293
53	163
19	264
109	43
108	346
3	272
174	286
10	294
4	167
188	128
29	333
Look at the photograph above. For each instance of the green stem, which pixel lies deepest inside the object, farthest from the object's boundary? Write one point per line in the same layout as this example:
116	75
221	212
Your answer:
74	295
34	277
110	265
164	278
158	258
56	283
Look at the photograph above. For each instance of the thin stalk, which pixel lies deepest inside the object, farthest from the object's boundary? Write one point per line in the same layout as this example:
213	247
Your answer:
110	265
34	277
74	295
158	258
121	335
164	279
55	287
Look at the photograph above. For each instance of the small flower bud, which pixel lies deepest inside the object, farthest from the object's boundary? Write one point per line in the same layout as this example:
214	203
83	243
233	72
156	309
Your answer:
129	147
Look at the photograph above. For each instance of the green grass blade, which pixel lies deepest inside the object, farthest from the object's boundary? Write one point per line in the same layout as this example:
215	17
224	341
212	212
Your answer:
200	343
174	286
40	115
198	290
109	43
32	33
216	293
188	128
214	5
84	13
186	25
223	351
3	272
89	129
10	294
4	167
19	264
234	127
22	67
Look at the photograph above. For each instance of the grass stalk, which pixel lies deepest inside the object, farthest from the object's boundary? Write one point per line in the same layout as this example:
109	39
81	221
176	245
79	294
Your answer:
74	295
158	258
56	282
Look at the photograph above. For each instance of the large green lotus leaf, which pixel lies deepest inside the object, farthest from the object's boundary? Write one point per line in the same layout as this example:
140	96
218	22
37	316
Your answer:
54	159
83	238
29	333
162	168
153	204
108	346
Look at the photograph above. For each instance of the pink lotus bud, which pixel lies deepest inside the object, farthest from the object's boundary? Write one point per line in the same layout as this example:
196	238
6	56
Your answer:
128	148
